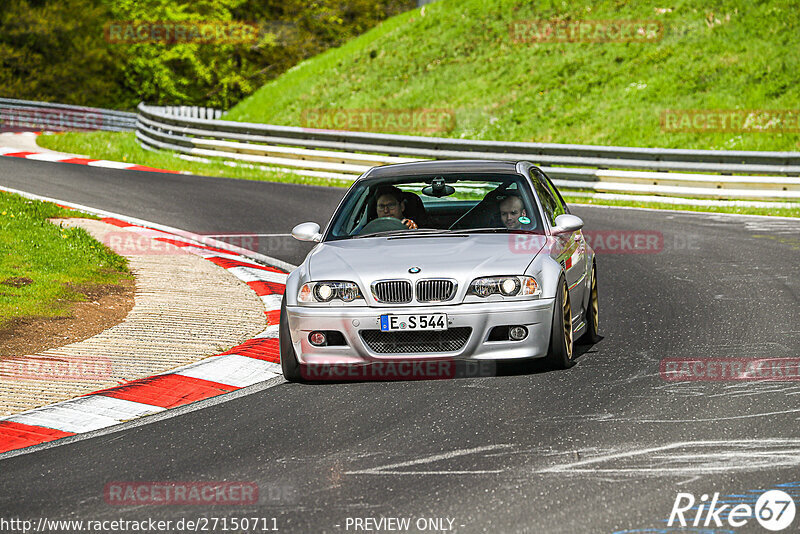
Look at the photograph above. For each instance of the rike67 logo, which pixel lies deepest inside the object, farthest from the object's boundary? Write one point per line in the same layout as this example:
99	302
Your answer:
774	510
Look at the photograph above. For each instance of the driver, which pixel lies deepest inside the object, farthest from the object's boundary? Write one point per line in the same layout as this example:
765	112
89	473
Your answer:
511	210
390	203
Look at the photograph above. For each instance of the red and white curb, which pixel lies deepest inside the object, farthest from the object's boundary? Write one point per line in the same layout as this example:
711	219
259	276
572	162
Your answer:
254	361
62	158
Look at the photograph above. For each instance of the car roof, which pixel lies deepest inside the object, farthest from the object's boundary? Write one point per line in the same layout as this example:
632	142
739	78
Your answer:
441	167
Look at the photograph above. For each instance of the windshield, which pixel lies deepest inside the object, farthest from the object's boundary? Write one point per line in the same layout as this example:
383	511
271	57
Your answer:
438	203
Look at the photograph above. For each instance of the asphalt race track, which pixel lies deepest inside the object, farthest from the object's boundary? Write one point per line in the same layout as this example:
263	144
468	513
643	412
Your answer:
603	447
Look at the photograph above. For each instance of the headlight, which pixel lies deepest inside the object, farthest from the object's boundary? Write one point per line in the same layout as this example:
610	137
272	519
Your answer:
313	292
508	286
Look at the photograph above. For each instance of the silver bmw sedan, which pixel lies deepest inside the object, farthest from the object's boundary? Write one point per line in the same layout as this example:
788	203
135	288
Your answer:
441	260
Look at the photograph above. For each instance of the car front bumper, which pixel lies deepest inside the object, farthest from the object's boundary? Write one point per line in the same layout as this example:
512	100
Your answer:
535	315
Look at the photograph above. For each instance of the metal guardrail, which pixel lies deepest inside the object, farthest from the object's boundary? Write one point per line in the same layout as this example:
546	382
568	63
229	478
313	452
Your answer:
344	154
26	115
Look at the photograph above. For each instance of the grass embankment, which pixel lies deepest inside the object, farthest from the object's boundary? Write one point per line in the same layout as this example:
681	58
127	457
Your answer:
728	54
43	267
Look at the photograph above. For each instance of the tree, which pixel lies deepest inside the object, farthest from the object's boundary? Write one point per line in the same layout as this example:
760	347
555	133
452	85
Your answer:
52	50
66	51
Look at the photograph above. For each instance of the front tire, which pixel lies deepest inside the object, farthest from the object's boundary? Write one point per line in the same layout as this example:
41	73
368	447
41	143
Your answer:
289	364
560	355
592	334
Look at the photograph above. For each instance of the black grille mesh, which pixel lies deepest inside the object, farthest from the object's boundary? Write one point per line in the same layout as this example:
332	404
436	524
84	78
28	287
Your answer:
434	290
394	292
449	340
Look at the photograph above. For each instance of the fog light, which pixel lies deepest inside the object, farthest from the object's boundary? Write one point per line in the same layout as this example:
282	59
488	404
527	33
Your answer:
317	338
517	333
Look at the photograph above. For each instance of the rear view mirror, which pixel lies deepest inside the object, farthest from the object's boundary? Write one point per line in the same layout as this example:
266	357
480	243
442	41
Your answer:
438	188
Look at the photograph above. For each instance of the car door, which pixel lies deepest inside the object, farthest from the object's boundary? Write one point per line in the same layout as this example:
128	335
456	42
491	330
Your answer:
573	253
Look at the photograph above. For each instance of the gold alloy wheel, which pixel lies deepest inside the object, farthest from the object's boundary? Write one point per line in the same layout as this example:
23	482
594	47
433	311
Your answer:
567	313
595	303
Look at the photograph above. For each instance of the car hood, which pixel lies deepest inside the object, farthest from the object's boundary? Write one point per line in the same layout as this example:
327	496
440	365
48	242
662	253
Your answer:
463	257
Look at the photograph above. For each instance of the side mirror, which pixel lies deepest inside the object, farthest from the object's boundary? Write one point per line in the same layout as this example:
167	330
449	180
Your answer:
566	224
308	231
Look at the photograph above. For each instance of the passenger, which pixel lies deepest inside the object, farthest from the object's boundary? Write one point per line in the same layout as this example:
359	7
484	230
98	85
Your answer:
390	203
511	210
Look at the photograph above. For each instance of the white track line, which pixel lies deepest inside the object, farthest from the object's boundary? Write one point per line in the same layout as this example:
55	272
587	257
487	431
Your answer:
272	302
233	370
248	274
85	414
391	469
270	333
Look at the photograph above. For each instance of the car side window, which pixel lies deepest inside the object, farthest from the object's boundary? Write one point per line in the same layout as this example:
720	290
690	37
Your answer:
347	225
561	206
549	204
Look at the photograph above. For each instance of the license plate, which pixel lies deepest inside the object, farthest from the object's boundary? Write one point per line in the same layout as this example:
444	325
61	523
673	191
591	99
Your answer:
431	321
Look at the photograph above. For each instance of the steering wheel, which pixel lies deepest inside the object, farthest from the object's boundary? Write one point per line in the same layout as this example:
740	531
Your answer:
383	224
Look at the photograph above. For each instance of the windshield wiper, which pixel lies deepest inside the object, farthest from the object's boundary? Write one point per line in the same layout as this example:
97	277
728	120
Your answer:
495	231
406	231
481	230
437	233
434	231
